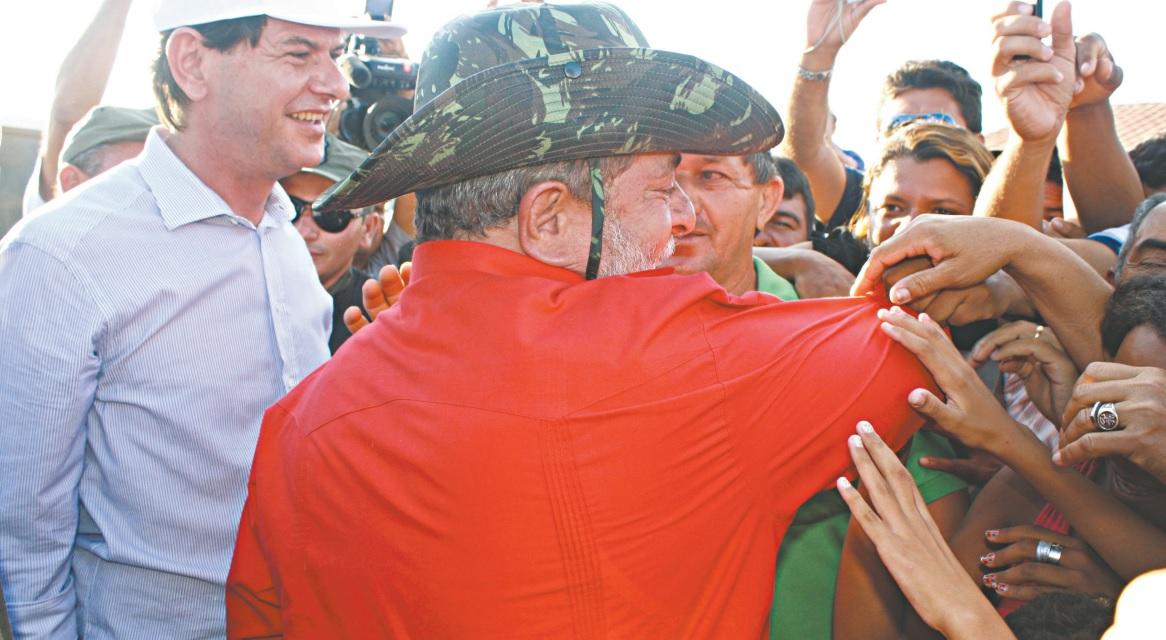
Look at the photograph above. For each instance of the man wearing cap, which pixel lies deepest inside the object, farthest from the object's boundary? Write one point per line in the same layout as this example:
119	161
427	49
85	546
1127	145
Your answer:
103	139
150	318
334	237
531	443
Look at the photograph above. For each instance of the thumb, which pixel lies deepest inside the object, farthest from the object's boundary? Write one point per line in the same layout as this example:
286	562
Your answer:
925	402
1062	23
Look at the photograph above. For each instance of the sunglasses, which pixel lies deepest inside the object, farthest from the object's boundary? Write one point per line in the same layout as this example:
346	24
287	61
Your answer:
904	119
332	222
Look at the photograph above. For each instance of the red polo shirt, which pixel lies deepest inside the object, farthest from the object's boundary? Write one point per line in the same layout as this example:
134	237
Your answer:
513	452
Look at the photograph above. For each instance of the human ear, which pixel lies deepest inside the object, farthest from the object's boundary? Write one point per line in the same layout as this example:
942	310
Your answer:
71	177
186	55
548	224
771	195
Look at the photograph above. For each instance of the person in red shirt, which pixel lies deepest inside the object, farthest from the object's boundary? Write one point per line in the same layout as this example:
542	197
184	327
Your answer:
535	440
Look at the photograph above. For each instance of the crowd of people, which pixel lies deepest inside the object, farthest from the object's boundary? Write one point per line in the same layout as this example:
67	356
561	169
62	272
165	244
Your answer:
596	343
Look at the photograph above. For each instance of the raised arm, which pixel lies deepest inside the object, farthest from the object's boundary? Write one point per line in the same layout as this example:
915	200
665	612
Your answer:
805	140
1035	93
1098	172
80	84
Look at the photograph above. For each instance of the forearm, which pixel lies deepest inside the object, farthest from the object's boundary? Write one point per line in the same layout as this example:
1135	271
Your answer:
1099	174
805	134
81	81
1014	188
1067	292
1128	544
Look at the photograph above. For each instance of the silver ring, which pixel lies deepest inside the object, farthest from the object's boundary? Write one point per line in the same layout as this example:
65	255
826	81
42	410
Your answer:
1048	552
1104	416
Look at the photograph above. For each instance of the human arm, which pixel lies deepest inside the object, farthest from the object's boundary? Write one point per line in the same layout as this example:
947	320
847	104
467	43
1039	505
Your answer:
964	250
48	378
912	546
1035	93
805	141
1139	394
1099	174
80	84
1127	543
813	274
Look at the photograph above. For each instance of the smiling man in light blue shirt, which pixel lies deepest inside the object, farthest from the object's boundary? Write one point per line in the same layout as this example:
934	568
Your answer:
148	318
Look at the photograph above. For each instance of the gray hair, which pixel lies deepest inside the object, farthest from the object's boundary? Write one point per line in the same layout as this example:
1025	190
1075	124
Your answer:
469	209
1140	215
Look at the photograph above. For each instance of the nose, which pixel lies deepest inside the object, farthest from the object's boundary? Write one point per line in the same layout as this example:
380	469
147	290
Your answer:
330	82
683	212
307	227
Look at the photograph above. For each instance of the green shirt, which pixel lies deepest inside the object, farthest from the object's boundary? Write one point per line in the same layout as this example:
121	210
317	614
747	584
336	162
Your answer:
807	565
769	282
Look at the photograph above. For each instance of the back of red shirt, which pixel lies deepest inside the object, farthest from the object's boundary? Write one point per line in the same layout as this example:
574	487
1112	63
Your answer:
513	452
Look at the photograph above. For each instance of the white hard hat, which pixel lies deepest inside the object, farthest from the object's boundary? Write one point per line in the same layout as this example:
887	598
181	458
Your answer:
172	14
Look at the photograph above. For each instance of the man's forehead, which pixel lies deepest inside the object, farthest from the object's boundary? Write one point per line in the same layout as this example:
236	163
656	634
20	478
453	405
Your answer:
282	33
1153	227
704	161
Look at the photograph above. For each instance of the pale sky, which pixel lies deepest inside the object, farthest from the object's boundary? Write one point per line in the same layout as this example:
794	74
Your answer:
759	40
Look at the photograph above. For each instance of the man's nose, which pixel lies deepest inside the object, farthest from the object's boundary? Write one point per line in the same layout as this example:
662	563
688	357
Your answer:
331	82
683	212
305	226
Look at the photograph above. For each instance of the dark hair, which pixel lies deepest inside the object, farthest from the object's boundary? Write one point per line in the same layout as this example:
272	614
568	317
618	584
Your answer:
223	35
1055	173
1150	161
940	74
1140	215
1061	615
1139	301
764	168
796	184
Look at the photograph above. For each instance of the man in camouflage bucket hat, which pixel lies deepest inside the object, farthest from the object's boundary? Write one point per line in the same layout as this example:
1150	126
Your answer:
513	450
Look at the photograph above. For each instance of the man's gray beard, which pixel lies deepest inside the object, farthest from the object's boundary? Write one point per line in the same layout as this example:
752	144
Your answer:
621	254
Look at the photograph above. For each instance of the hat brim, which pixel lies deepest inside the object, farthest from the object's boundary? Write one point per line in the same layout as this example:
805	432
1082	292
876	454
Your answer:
362	26
611	101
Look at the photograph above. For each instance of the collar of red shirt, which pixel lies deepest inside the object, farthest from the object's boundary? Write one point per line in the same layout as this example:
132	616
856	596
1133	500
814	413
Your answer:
451	256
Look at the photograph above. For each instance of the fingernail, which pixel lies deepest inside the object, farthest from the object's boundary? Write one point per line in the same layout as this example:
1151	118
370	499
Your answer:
1044	29
1046	53
899	296
917	398
881	313
992	533
855	442
987	558
1024	9
989	580
1086	66
1057	458
865	427
1060	76
1001	588
923	317
842	483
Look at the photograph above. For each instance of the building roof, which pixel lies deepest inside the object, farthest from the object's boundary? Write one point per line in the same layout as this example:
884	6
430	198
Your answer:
1136	123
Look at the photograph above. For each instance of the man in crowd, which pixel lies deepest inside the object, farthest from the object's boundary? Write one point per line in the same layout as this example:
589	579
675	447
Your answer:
1149	159
572	451
733	197
795	215
150	319
103	139
333	238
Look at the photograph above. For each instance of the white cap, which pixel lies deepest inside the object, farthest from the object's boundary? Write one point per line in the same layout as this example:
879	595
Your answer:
172	14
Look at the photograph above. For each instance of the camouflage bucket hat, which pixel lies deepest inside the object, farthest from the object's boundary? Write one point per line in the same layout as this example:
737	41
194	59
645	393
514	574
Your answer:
533	84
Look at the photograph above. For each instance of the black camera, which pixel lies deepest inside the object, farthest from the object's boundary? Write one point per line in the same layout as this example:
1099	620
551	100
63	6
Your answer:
377	105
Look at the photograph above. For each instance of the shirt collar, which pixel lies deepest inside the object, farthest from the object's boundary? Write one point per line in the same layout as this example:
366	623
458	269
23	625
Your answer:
183	198
446	256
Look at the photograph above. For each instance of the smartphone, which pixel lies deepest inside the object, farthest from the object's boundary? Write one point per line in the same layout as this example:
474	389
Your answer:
1037	9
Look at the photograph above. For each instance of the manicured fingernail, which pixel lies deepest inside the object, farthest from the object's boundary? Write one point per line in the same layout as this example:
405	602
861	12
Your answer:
992	533
989	580
1086	67
1001	588
865	427
917	398
855	442
1046	53
1060	76
842	483
899	296
881	313
987	558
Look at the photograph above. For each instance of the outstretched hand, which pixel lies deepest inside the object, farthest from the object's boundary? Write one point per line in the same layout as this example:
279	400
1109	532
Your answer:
911	545
828	31
1035	82
378	295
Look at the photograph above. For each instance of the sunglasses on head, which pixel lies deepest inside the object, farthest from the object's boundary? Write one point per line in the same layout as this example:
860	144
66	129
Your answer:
904	119
332	222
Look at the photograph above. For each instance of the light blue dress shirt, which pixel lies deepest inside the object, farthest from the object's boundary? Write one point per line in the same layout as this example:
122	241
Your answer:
144	329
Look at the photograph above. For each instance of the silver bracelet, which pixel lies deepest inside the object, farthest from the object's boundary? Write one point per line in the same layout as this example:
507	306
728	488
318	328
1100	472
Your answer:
816	76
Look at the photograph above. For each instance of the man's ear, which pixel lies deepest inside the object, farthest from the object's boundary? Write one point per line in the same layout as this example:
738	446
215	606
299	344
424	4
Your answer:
771	194
186	55
373	224
70	177
548	224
